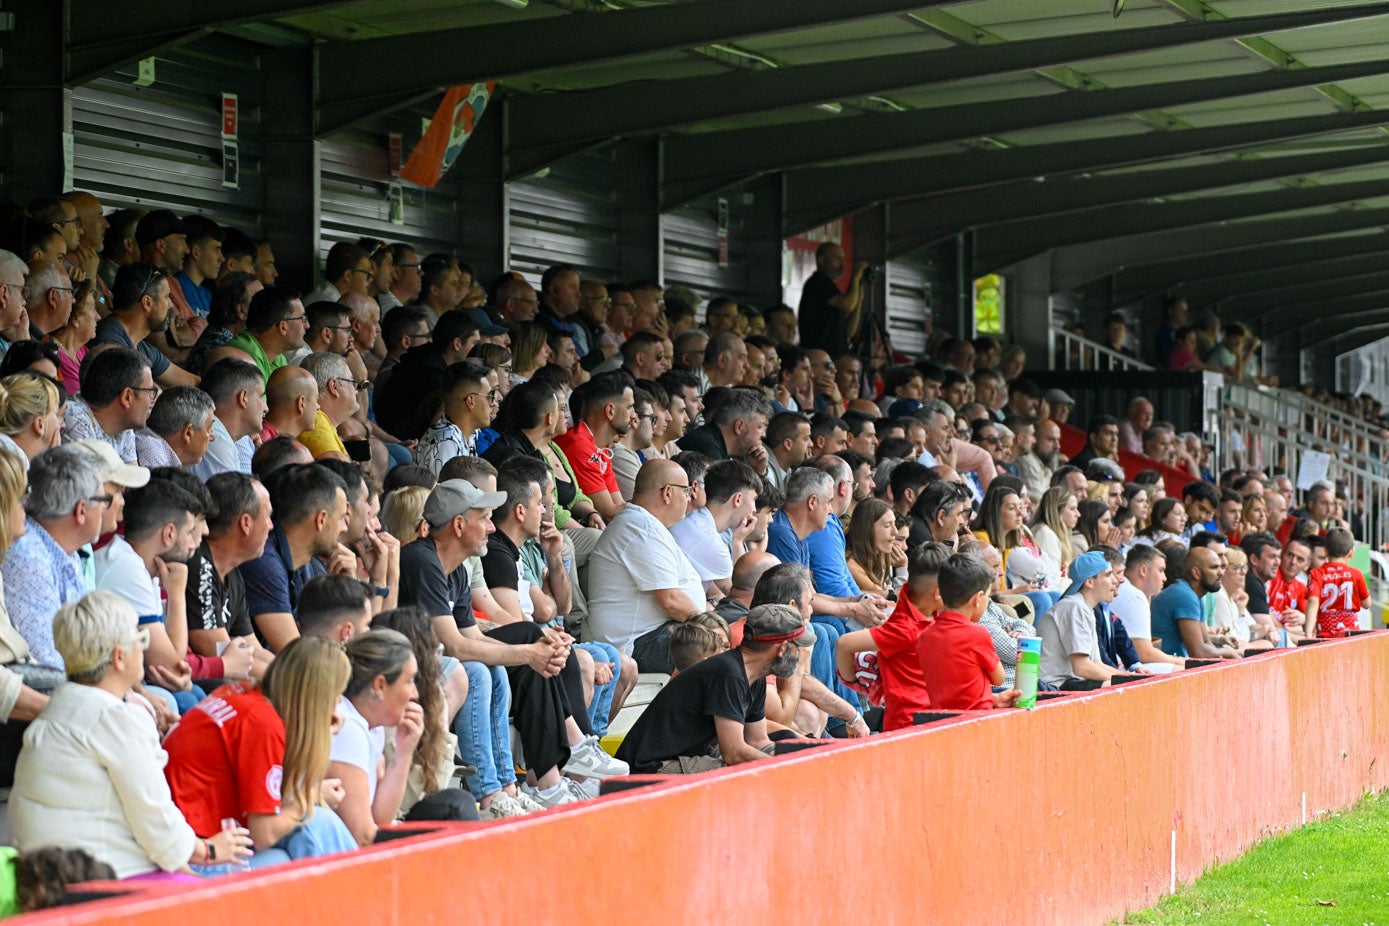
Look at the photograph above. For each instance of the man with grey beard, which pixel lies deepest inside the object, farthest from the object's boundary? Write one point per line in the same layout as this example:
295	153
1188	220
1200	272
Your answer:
713	714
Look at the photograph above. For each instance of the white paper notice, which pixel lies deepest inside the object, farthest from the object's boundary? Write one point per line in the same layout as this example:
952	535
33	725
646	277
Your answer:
1312	468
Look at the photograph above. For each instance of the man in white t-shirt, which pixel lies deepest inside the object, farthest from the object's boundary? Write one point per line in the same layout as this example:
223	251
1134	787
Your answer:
640	582
714	535
163	527
1145	574
1070	642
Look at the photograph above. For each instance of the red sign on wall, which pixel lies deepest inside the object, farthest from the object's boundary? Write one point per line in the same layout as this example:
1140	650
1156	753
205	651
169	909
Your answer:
230	116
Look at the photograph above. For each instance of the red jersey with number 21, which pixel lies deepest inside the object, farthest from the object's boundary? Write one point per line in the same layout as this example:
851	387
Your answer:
1340	592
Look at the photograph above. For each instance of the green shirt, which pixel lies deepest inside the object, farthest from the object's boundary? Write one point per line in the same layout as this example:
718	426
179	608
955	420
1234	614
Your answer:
247	341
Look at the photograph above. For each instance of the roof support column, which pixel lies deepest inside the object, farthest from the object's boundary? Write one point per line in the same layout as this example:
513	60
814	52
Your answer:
484	208
642	252
293	189
765	245
36	107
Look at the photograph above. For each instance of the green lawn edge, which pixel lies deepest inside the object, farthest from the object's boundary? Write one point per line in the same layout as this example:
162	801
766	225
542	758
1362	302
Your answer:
1291	879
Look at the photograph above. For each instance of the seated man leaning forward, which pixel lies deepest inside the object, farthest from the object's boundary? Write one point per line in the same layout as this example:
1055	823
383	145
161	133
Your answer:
713	713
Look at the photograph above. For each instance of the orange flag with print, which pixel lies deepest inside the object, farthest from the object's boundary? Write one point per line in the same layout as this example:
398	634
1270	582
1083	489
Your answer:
449	130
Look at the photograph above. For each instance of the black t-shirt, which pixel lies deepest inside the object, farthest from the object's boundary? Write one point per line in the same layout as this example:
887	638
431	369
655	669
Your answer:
500	562
680	721
822	326
211	602
1258	597
918	532
423	583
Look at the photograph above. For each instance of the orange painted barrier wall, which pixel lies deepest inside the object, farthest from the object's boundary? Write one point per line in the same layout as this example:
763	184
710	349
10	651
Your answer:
1062	815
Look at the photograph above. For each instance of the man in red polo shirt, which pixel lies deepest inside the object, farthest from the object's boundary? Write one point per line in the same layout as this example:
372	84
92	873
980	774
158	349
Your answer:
1287	595
890	648
604	410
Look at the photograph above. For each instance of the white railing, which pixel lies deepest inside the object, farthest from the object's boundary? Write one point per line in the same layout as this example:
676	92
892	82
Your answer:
1073	353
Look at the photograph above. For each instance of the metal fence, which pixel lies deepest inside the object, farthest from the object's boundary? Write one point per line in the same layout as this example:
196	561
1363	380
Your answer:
1259	427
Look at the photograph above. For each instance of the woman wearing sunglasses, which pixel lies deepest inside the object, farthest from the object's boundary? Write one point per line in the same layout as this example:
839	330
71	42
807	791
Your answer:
91	773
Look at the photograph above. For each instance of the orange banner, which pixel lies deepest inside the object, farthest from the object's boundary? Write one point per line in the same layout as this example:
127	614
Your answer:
449	130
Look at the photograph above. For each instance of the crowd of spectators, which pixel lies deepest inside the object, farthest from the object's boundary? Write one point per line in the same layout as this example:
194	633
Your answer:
280	570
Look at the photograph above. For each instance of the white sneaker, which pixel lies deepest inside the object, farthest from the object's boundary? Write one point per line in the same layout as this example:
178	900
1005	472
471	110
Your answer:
562	795
588	760
524	799
504	805
587	788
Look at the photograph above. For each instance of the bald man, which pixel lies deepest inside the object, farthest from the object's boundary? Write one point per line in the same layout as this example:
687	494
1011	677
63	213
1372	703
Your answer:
640	582
1177	615
746	571
222	353
291	396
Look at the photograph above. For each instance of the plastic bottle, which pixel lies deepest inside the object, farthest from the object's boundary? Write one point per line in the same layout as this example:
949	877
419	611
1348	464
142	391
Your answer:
1028	670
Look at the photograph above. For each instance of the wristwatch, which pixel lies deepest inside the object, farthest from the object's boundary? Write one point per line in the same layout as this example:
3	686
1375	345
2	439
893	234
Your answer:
381	591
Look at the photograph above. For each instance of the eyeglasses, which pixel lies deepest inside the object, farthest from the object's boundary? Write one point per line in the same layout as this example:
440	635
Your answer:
412	338
604	300
19	287
995	440
687	489
105	499
651	418
338	327
152	390
368	272
294	318
414	266
75	221
357	384
491	396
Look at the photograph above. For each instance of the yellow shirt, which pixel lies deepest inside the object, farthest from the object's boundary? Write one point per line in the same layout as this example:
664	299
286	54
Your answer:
323	438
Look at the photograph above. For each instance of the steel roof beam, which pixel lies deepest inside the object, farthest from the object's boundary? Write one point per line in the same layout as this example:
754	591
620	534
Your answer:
816	195
560	121
1334	283
1336	317
934	217
1208	279
366	77
1075	266
999	245
699	163
101	38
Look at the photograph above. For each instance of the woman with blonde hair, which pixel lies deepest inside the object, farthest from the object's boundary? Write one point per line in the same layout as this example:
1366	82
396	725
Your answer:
1057	514
1253	516
381	693
31	413
259	754
870	546
402	514
91	774
530	350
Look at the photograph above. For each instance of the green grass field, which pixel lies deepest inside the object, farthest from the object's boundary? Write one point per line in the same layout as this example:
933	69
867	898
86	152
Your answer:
1333	871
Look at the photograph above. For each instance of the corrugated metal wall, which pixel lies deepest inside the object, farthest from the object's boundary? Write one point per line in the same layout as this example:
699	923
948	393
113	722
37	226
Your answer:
161	146
567	214
911	294
691	241
356	183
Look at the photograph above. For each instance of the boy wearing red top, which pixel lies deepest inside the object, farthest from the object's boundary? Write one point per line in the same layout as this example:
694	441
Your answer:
1336	591
958	660
894	642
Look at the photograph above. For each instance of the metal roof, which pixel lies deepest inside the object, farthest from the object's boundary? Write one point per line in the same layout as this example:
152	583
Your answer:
920	106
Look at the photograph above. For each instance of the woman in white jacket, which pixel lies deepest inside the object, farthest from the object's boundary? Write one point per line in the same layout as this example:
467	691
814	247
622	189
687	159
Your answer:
91	773
1057	514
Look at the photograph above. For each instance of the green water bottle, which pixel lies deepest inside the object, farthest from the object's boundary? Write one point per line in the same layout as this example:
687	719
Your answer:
1029	669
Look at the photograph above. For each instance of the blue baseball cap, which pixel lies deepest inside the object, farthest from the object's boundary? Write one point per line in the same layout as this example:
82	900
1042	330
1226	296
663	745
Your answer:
1085	566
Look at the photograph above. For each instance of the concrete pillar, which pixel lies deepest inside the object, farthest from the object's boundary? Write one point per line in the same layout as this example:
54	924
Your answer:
1027	314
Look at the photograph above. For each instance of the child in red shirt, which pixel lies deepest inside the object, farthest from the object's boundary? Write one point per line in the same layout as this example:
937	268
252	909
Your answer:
889	650
1336	591
957	656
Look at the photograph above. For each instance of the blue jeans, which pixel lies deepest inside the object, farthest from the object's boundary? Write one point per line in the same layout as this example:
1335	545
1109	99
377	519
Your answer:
179	701
322	834
398	454
828	630
483	728
602	694
1042	601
